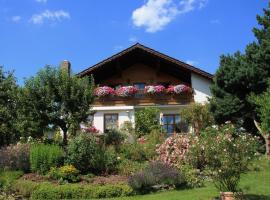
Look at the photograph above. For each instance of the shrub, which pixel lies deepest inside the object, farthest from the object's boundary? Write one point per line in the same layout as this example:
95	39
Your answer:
66	173
154	139
146	120
43	157
7	178
128	167
84	153
25	188
15	157
156	176
114	137
227	152
134	152
81	192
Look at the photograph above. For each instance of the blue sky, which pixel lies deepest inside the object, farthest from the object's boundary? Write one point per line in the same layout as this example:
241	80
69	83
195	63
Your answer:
34	33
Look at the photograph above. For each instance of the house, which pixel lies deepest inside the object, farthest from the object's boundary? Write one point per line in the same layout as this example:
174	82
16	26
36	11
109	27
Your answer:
140	77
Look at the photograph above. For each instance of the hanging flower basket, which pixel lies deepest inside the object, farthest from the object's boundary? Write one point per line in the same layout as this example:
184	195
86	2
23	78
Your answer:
104	91
126	91
179	89
154	89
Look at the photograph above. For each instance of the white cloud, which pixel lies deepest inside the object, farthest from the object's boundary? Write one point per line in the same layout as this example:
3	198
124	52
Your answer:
41	1
192	62
52	16
16	18
133	39
154	15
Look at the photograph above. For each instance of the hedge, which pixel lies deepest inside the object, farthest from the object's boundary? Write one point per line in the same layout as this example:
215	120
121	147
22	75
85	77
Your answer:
70	191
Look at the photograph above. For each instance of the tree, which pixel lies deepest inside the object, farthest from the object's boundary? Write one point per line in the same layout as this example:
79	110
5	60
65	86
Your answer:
198	116
241	75
8	88
263	107
54	98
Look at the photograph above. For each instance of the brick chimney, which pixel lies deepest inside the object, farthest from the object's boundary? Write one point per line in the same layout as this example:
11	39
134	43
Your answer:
65	66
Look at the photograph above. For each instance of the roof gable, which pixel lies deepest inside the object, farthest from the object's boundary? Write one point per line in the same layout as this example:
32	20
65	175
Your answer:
149	51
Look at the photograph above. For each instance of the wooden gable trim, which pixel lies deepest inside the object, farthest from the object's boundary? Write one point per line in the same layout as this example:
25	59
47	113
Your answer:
150	51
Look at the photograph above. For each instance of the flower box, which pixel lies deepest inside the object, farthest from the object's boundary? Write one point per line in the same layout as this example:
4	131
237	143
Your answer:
154	89
179	89
104	91
126	91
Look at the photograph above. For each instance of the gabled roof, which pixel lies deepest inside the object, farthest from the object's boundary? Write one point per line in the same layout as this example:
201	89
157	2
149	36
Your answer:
136	46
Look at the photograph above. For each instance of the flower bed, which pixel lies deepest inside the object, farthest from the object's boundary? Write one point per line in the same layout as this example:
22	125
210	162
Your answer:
154	89
179	89
126	91
104	91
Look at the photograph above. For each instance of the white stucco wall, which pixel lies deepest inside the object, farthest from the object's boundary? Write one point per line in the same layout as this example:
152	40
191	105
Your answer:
125	113
201	88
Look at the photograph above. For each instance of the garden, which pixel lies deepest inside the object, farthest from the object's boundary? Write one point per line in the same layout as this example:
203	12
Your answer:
50	150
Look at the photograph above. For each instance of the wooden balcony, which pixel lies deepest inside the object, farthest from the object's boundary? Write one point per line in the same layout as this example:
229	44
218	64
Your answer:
144	99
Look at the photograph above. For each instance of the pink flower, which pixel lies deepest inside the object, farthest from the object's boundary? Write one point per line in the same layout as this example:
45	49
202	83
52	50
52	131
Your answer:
157	89
126	91
104	91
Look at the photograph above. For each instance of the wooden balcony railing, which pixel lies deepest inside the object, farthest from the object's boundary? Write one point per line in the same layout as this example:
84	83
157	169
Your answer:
145	99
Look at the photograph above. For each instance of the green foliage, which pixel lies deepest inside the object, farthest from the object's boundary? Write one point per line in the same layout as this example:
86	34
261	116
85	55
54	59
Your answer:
240	75
7	178
128	167
74	191
87	155
15	157
43	157
114	137
154	139
263	107
65	173
197	115
156	176
134	152
84	153
146	120
53	97
8	102
193	177
25	188
227	153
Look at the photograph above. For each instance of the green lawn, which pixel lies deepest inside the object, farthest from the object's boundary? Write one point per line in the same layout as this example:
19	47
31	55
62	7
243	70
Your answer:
255	184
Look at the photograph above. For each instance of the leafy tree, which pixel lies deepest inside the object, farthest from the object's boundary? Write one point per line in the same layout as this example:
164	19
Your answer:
54	98
198	116
146	120
263	107
8	88
240	75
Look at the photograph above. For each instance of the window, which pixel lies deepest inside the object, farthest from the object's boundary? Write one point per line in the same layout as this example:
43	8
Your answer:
110	121
172	123
90	120
140	86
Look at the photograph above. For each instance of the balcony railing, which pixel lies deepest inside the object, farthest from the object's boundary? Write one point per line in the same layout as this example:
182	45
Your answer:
140	98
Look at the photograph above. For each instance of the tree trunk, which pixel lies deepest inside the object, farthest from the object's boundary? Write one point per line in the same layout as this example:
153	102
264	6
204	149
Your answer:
266	137
65	137
267	144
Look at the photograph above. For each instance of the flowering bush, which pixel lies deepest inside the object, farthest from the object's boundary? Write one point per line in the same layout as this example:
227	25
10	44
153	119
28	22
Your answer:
178	89
91	129
66	173
174	150
226	152
156	176
157	89
104	91
126	91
